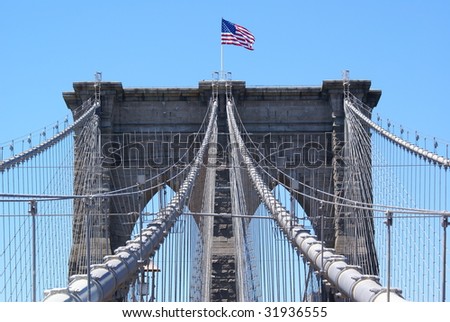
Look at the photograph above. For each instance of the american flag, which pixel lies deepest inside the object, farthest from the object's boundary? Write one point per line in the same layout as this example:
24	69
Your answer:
233	34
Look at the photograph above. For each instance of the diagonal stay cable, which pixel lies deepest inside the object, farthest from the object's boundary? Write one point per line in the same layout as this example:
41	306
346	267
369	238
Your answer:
91	106
428	155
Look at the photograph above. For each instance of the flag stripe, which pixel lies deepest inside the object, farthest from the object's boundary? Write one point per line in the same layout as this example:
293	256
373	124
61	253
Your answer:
233	34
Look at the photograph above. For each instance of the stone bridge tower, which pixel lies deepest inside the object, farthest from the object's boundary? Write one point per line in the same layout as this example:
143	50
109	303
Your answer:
144	130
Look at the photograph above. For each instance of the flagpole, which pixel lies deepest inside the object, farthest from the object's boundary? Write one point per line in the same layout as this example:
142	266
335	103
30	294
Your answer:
221	62
221	51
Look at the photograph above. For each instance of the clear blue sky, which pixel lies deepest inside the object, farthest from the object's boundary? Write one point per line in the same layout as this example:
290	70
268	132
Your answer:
401	46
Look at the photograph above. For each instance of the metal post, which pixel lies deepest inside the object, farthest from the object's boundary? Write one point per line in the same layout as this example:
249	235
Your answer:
388	222
152	297
33	211
88	246
444	256
142	285
97	86
346	82
322	283
141	182
141	259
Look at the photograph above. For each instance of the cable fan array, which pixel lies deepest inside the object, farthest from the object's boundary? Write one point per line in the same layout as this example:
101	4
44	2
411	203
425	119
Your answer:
391	216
